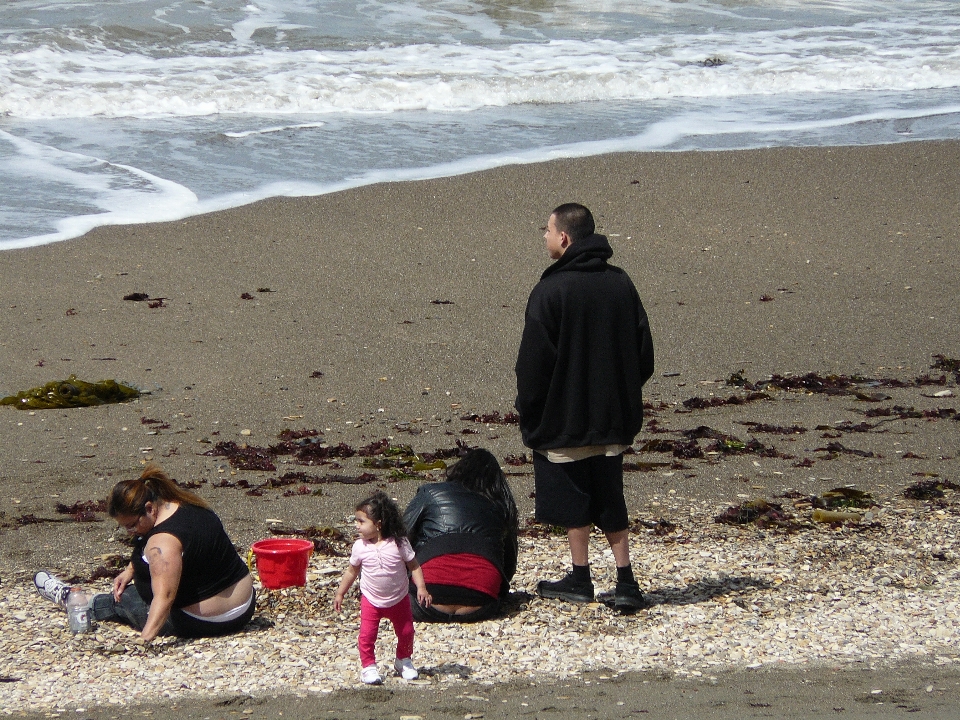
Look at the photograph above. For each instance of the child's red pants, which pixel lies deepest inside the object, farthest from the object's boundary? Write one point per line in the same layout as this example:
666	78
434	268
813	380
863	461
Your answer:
370	615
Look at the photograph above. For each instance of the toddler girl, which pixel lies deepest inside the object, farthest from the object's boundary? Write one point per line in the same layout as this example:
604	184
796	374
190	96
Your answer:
384	555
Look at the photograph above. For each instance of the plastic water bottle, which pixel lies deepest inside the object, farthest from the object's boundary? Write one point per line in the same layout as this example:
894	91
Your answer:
77	613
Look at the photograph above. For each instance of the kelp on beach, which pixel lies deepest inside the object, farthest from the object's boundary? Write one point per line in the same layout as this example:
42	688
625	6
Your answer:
71	393
308	448
699	443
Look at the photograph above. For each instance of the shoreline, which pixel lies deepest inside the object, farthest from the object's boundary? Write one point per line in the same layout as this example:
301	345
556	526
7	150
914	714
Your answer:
394	311
87	224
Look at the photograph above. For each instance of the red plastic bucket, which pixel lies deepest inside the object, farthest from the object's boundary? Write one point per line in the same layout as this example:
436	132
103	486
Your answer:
282	562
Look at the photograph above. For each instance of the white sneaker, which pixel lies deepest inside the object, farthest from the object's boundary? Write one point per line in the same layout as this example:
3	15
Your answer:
371	676
405	669
51	588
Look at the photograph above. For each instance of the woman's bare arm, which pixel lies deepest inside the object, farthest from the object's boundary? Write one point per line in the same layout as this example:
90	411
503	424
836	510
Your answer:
164	553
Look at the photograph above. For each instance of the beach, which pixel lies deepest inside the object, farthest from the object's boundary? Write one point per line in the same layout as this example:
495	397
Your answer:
394	311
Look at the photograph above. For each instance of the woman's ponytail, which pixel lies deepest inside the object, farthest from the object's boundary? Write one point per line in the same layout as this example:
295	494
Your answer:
130	497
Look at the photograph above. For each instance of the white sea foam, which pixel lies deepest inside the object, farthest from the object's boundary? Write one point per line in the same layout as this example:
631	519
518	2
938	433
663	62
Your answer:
115	112
124	194
50	82
268	130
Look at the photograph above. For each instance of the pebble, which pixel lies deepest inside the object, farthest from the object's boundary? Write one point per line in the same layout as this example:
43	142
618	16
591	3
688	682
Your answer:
723	597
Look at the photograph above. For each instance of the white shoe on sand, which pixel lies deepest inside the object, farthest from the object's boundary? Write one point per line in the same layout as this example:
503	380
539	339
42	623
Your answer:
405	669
371	676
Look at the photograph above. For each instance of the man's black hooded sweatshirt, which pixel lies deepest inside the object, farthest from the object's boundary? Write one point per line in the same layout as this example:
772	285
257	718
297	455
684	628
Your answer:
585	354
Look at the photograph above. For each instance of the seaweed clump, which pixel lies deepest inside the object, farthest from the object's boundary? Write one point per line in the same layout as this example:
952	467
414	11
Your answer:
644	466
399	459
309	448
929	489
71	393
699	403
83	511
722	444
911	413
757	512
660	527
535	529
818	384
834	449
243	457
494	418
756	427
844	497
941	362
292	478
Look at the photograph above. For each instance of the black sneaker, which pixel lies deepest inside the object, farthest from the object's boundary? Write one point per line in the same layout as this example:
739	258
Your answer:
625	597
566	589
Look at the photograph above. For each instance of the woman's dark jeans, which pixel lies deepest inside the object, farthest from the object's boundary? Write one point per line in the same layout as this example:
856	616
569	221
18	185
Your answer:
431	614
132	610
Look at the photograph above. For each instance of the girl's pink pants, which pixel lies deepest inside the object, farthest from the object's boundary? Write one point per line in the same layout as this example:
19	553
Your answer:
401	617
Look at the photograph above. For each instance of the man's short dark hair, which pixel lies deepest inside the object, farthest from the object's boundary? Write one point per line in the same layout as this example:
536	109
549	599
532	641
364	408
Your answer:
575	220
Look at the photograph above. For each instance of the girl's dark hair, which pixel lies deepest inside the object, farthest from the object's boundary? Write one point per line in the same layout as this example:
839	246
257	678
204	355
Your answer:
381	508
480	472
130	497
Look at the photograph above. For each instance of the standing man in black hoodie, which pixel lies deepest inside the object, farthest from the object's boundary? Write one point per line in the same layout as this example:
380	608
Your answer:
585	354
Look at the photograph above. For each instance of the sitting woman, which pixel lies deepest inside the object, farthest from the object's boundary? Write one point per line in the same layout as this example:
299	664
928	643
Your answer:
188	579
464	532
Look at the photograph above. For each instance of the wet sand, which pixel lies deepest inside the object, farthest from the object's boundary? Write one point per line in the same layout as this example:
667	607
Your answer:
854	694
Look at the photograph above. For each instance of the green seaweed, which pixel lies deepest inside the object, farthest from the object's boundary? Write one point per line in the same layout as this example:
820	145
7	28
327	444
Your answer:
425	466
395	450
398	457
71	393
541	530
398	474
845	497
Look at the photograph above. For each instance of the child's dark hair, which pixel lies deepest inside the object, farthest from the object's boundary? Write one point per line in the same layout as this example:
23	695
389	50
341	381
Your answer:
381	508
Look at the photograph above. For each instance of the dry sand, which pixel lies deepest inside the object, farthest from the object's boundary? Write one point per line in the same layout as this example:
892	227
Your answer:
408	298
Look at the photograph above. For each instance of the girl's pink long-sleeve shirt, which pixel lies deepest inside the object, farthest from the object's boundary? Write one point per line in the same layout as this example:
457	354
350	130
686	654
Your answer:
383	569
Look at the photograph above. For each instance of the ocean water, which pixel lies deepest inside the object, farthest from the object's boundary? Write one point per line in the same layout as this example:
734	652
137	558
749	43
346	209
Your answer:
122	111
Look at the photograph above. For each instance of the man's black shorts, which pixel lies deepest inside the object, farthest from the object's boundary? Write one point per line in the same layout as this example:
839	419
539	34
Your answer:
581	493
